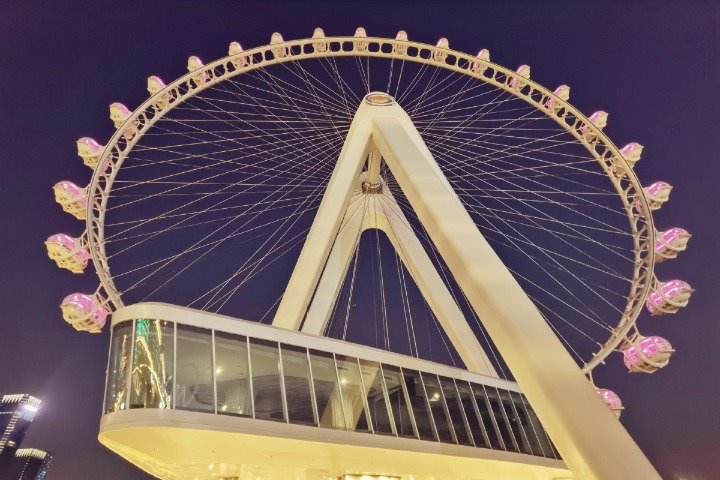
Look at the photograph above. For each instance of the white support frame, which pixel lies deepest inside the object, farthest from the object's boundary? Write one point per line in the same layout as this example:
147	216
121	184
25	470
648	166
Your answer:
589	437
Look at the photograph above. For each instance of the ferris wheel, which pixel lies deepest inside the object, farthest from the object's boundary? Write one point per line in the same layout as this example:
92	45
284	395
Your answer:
233	190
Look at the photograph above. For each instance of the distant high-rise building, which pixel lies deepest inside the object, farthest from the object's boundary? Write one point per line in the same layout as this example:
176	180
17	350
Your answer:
16	414
30	464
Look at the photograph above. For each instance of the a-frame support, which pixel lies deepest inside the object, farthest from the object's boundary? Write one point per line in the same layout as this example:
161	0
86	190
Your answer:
590	439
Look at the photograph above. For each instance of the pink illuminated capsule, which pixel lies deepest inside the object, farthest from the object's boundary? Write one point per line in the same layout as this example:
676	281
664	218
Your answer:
90	151
119	114
656	194
599	120
647	354
320	45
611	399
84	312
280	51
155	85
478	67
670	242
632	152
68	252
440	54
401	36
71	198
669	297
563	93
193	64
522	72
239	60
361	45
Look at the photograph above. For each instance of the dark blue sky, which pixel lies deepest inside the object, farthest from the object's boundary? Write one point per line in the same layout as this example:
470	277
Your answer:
654	66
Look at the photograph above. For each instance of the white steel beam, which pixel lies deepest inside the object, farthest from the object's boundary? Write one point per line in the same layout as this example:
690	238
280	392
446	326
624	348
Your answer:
591	440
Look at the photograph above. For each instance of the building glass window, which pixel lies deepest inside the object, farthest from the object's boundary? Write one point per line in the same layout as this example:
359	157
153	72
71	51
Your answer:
472	413
488	418
118	367
231	375
419	403
398	401
266	387
518	423
536	435
194	369
376	397
436	401
353	396
152	366
296	372
457	413
327	390
501	419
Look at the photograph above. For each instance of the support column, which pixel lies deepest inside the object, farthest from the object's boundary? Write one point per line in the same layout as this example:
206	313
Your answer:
590	439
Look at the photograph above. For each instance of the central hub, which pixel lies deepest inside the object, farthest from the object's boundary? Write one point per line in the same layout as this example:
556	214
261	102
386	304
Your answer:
379	98
368	187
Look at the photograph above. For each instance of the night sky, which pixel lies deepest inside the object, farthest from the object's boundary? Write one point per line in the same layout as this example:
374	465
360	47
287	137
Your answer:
654	66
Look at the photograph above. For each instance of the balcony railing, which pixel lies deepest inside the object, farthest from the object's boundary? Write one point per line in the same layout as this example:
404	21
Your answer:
163	364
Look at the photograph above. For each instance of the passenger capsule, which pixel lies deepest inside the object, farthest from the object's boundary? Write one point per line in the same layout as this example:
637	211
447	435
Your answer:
68	252
670	242
90	151
119	114
401	36
439	55
478	67
657	194
599	120
647	354
611	399
563	93
194	64
84	312
361	45
669	297
522	72
154	86
236	50
279	51
632	152
72	199
320	45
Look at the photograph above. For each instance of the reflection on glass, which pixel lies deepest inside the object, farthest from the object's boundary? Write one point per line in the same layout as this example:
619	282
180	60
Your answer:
531	425
488	419
456	411
327	390
296	372
420	407
398	401
151	377
231	375
353	396
194	369
516	424
501	419
439	410
116	391
267	391
472	413
376	398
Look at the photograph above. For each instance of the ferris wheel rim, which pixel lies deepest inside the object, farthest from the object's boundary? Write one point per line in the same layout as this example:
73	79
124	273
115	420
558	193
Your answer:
186	86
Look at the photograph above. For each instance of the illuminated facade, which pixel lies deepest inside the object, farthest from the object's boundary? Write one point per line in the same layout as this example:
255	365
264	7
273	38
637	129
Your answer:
30	464
16	414
198	386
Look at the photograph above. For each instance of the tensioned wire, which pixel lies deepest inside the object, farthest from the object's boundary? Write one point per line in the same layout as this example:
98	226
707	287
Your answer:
248	159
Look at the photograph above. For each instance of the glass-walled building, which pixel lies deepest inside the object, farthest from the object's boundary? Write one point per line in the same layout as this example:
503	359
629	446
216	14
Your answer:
161	364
